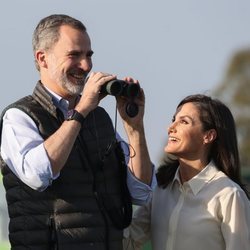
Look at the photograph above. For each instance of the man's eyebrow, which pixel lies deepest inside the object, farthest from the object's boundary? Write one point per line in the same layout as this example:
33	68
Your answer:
90	52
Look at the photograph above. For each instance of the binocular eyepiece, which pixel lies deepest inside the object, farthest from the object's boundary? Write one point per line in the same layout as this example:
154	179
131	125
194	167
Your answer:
122	88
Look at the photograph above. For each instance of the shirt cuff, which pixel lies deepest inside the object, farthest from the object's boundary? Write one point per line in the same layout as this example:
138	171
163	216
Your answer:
42	169
140	192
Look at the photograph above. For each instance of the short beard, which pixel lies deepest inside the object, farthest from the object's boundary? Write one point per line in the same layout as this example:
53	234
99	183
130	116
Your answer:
73	89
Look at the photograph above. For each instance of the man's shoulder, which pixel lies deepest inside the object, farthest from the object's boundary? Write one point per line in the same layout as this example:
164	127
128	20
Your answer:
26	100
19	104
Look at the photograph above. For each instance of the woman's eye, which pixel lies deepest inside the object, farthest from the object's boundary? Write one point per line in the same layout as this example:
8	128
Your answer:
183	122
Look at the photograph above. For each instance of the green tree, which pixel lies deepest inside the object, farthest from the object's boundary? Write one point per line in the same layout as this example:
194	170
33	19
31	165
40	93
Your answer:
234	90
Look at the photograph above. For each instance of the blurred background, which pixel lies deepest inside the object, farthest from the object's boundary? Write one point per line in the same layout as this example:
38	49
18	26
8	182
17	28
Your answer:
174	48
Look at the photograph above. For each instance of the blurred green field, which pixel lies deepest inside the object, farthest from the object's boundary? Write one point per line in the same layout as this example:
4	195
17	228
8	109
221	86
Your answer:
147	246
4	246
245	172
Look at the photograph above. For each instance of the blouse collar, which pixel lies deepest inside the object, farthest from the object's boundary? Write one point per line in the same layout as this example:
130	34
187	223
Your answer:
201	179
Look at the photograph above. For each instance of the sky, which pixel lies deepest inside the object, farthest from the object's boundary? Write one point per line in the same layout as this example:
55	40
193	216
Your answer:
174	48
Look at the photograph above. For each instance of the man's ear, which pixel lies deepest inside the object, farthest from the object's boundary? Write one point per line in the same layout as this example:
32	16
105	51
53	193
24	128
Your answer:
209	136
41	59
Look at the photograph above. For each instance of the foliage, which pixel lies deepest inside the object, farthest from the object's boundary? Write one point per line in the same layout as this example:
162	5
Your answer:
234	91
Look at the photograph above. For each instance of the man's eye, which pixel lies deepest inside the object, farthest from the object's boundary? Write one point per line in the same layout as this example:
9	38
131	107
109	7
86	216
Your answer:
73	54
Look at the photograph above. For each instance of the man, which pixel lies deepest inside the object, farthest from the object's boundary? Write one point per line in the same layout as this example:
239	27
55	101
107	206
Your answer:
62	166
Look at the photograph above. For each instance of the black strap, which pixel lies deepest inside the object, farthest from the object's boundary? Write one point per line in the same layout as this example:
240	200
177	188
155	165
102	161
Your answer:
121	217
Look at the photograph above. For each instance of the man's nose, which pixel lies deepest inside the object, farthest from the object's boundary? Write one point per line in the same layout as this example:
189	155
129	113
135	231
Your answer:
86	64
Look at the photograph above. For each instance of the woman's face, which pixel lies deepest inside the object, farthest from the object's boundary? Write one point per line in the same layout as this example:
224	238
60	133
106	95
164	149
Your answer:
186	138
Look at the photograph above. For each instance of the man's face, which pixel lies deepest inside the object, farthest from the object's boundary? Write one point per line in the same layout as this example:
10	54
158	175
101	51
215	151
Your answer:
69	61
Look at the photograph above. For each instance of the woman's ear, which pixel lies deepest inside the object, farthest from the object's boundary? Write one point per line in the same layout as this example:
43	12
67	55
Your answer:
210	136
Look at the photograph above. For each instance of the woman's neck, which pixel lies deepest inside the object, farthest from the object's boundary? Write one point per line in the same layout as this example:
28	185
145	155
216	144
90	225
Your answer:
189	169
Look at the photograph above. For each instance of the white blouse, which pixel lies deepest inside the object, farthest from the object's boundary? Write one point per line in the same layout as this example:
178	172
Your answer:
209	212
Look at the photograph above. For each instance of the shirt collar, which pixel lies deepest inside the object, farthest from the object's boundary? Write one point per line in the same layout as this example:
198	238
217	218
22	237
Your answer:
59	102
200	180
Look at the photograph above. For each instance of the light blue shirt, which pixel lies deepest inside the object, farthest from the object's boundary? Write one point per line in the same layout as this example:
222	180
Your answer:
22	149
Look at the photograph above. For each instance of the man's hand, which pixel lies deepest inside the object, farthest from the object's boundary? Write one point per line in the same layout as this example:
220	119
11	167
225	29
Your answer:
91	92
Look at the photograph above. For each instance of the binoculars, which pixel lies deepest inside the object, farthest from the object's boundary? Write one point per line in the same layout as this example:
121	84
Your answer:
122	88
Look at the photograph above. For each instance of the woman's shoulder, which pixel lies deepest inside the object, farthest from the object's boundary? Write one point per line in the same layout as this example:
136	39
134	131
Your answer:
226	187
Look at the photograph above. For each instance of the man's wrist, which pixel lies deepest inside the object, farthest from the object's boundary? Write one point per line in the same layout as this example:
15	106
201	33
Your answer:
75	115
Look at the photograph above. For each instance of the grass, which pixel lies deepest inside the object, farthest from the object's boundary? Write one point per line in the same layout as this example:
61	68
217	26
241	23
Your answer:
4	246
147	246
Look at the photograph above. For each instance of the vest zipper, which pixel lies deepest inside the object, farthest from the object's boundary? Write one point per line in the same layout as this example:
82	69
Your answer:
97	197
53	234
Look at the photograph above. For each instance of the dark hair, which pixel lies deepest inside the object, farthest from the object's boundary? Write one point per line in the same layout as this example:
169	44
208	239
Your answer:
46	33
224	152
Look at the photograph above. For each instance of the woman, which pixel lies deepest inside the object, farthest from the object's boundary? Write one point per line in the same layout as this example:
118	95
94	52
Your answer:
200	202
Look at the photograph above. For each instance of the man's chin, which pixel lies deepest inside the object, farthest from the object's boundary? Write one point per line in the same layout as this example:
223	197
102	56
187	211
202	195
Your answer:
73	88
75	91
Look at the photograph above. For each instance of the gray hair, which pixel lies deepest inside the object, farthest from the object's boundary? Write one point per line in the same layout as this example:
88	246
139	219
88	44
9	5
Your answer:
46	33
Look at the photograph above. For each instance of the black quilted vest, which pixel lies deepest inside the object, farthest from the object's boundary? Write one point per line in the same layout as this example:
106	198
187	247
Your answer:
82	209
